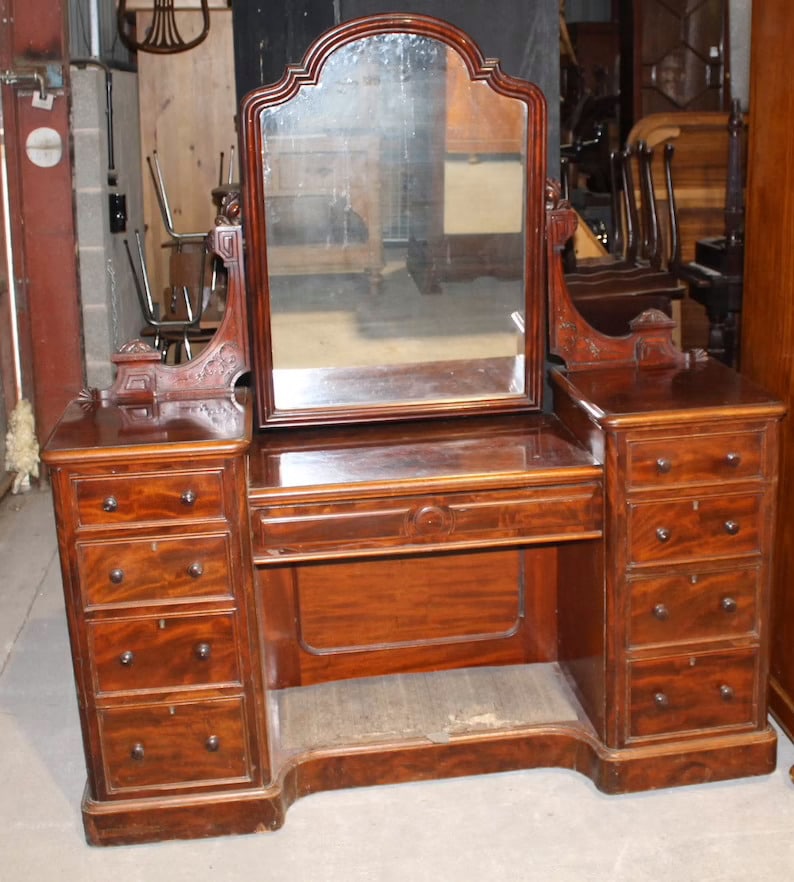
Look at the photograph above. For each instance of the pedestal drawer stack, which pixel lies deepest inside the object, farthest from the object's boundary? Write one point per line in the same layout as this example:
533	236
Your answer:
152	555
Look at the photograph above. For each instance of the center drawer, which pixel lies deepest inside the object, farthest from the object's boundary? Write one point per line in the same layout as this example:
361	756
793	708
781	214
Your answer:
504	516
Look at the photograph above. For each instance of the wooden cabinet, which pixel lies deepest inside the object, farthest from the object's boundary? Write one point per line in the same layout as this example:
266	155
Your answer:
158	580
413	587
767	326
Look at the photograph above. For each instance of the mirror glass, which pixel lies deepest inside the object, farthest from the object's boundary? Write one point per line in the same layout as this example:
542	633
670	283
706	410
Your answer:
395	201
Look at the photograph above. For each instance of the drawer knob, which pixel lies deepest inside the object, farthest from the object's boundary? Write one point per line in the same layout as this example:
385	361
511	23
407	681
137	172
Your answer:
196	569
126	658
733	459
663	534
661	612
110	504
663	465
726	692
188	497
213	744
116	576
728	605
731	527
661	700
203	651
137	753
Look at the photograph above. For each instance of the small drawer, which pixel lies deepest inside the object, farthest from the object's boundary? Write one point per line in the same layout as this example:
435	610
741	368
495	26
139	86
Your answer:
174	745
662	462
149	497
516	515
692	692
693	606
154	570
694	529
164	653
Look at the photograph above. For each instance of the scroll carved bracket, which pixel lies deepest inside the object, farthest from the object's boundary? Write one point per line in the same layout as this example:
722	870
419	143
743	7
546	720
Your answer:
649	344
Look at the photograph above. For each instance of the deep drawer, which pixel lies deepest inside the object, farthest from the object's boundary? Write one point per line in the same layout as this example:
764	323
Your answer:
162	745
692	529
693	606
687	459
516	515
692	692
154	570
162	653
149	497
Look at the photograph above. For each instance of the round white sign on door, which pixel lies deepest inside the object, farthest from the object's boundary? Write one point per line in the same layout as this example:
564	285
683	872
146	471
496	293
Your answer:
44	147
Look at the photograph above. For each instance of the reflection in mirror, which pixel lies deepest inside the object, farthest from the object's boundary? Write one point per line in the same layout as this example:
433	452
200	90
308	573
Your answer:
394	197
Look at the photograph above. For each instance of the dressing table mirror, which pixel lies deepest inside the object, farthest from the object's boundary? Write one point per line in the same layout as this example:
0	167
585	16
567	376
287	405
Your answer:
387	558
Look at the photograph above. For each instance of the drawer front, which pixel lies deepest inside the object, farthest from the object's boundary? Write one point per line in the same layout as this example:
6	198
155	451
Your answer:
675	460
164	653
154	570
693	606
149	497
692	692
691	529
162	745
411	521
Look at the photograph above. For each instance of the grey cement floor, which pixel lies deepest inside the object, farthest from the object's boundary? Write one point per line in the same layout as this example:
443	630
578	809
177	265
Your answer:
544	825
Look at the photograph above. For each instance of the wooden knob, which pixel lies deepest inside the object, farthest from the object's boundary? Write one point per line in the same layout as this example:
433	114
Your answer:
726	692
661	612
116	576
127	658
731	527
733	460
663	465
195	570
137	753
202	651
663	534
213	744
728	604
188	497
661	700
110	504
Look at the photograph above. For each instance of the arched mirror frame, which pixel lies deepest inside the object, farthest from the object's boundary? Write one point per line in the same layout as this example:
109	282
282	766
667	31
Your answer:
254	199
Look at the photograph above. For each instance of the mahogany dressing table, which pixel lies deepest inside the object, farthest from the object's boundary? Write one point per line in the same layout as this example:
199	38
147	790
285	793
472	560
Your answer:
389	559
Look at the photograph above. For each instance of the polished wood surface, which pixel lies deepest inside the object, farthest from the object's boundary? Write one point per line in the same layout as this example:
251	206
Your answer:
767	316
256	615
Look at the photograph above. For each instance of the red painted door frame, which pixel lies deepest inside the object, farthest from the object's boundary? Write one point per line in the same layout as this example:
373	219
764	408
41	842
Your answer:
33	34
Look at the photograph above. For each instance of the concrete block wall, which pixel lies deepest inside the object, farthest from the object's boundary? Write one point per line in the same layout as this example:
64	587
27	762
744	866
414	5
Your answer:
111	313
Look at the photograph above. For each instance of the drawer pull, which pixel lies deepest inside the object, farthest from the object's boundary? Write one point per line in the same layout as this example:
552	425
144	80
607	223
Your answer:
213	744
663	534
663	465
188	497
661	700
127	658
203	651
137	753
728	604
116	576
731	527
726	692
110	504
195	570
661	612
733	459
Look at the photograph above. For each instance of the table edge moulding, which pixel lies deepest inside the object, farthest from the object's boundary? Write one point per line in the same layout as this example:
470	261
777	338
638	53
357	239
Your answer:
264	602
